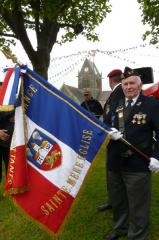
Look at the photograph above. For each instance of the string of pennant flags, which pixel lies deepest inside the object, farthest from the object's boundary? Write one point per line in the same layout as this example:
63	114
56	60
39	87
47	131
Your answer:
61	67
107	52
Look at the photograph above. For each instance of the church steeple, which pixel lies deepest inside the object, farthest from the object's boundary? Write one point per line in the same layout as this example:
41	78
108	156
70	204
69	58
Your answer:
89	78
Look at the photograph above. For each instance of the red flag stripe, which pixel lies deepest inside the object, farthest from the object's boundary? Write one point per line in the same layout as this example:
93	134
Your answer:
44	202
5	84
17	177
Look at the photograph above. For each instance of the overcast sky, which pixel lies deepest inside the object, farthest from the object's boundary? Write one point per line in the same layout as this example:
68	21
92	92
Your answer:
122	29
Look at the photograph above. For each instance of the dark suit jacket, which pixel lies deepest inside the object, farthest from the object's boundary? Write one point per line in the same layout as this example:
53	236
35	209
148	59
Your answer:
140	126
112	102
93	106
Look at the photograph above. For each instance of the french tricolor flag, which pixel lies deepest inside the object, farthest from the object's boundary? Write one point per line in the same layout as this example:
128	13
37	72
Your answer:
54	144
9	88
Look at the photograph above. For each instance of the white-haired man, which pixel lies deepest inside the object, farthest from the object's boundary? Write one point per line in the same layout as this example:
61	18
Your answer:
129	172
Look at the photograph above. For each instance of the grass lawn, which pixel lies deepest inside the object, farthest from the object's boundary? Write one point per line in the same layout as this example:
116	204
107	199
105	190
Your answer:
83	222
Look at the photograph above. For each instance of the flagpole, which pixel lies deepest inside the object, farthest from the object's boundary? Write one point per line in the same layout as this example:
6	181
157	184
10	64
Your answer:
137	150
134	148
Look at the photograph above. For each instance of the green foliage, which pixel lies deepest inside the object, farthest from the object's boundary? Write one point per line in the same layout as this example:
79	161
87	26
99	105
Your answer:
84	221
150	16
46	18
34	15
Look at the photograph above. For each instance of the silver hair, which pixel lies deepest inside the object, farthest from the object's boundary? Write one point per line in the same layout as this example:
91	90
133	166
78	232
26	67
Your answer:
139	80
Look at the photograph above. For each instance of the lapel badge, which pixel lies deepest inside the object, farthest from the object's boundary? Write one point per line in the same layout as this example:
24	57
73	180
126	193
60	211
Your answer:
119	110
120	114
138	103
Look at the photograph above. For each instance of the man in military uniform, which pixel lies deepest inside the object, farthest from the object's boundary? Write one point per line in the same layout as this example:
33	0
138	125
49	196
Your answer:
109	107
117	92
129	172
92	105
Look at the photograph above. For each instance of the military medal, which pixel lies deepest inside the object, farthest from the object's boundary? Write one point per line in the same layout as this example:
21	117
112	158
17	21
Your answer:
144	118
134	119
139	118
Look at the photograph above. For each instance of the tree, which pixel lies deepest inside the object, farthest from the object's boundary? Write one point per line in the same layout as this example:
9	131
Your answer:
150	16
46	18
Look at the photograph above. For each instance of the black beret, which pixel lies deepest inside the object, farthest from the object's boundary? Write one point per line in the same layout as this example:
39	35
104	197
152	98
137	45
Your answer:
128	72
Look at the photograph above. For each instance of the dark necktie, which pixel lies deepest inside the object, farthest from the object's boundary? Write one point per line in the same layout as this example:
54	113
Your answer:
129	102
128	108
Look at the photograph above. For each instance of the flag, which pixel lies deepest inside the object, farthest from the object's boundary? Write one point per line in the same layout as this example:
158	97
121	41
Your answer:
54	144
9	88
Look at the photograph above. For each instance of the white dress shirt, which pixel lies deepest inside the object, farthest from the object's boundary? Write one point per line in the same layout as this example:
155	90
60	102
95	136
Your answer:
133	101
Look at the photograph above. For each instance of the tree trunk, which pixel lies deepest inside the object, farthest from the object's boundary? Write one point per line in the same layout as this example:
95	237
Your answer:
41	61
46	33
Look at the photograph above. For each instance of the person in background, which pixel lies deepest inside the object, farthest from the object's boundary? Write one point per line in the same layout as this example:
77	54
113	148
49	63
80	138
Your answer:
136	119
92	105
116	91
6	131
109	107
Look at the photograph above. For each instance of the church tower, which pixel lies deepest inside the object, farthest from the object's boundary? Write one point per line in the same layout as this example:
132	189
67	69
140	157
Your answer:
89	78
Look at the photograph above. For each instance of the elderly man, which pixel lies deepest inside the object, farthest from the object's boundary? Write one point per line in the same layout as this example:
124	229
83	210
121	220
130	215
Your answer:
129	172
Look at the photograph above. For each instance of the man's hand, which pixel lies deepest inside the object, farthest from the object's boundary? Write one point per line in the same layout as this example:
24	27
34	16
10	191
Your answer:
154	165
115	134
4	135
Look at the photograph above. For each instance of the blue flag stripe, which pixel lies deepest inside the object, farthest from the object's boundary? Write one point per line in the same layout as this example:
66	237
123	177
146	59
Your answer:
15	86
68	122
